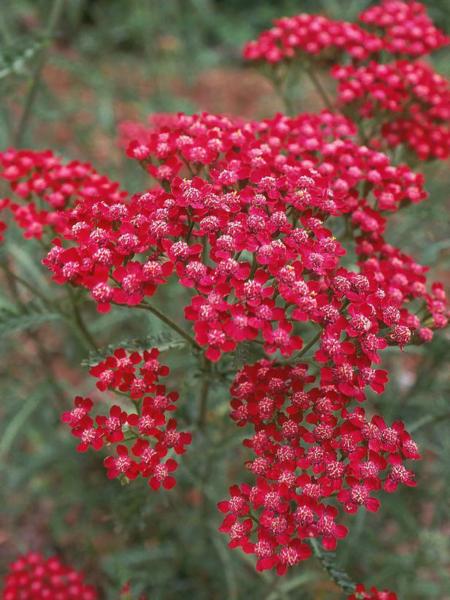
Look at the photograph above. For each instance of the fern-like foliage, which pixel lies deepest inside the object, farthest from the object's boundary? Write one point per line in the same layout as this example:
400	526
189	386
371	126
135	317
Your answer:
163	341
15	57
25	318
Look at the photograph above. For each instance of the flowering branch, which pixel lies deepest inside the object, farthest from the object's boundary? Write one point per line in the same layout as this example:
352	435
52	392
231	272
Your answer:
240	215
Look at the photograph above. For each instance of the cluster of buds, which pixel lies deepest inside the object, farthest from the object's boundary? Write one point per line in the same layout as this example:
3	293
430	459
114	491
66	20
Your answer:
406	101
395	27
313	35
140	439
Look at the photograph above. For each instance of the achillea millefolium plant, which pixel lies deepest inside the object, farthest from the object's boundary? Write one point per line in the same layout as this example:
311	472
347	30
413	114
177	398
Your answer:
277	229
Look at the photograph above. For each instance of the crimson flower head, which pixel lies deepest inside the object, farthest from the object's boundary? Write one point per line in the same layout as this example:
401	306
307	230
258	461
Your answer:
137	432
361	593
33	577
277	228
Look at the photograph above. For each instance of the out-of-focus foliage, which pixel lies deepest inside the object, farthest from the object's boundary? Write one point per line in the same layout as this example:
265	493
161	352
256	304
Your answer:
114	61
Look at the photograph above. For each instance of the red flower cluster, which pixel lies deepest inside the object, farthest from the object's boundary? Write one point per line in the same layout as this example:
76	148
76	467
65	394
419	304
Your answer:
373	594
314	35
410	102
399	28
137	376
247	229
33	577
363	181
404	27
47	188
309	449
252	216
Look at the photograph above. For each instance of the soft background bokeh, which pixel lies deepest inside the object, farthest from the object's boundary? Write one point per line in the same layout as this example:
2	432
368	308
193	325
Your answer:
120	60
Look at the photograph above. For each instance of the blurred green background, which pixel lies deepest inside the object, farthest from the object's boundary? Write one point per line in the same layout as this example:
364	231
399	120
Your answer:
116	60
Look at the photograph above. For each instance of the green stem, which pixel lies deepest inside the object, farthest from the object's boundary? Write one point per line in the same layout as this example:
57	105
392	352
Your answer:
341	578
203	400
280	83
320	89
41	350
428	420
168	321
4	29
53	19
78	318
311	343
26	285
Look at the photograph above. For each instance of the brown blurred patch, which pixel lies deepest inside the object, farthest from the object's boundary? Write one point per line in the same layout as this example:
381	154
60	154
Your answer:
234	91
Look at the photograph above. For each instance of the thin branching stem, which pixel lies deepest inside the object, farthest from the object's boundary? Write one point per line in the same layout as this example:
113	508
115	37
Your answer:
53	20
168	321
340	577
320	88
35	292
309	345
79	321
280	83
204	393
41	350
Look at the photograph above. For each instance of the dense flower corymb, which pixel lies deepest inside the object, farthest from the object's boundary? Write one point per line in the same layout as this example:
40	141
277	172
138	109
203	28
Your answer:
139	439
409	102
309	450
276	229
33	577
247	229
404	27
46	188
315	36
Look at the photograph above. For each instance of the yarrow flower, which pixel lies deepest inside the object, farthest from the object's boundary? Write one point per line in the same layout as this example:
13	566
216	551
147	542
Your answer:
56	185
33	577
309	448
246	230
138	440
409	101
311	35
255	218
240	243
373	594
404	27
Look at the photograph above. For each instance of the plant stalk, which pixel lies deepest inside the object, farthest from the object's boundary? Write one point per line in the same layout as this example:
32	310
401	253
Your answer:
168	321
320	89
340	578
55	14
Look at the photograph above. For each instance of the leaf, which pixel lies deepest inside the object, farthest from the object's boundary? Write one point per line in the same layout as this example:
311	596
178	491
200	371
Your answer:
15	57
17	422
244	354
162	341
28	317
